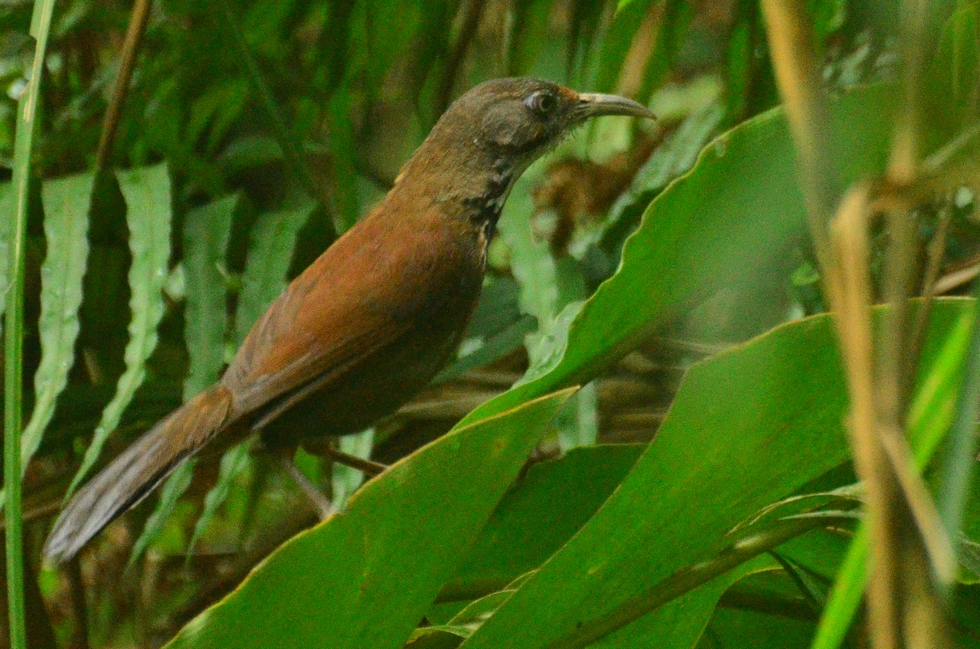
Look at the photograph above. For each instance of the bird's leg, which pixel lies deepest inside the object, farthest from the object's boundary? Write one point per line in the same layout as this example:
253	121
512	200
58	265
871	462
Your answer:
320	502
361	464
322	447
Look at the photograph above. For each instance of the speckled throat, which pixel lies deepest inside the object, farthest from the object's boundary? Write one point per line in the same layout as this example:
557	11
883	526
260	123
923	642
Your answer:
484	210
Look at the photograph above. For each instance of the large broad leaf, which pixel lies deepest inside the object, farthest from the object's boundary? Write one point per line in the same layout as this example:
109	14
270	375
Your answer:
748	427
679	624
720	225
365	577
540	514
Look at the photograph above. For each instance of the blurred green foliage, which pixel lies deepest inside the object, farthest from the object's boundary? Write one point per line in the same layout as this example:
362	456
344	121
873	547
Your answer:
254	131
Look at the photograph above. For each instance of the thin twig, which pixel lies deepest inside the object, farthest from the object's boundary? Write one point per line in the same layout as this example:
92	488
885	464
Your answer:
79	607
320	502
354	462
131	44
958	276
934	261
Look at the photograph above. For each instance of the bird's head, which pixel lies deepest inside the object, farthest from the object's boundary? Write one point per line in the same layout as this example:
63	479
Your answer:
524	117
492	133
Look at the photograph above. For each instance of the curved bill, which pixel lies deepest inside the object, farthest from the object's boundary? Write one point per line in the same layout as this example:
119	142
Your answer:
593	104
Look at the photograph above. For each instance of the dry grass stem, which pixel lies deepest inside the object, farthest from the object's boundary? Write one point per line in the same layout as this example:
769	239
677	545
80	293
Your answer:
131	45
851	302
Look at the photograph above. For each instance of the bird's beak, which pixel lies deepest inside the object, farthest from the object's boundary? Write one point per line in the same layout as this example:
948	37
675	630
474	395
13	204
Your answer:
594	104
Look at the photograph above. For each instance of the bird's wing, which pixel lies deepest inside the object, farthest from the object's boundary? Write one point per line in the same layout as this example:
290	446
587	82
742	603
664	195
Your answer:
355	299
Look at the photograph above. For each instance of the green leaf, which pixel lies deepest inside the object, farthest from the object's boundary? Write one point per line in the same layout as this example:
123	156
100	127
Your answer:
617	42
527	36
269	256
6	232
390	27
206	233
585	18
675	21
232	464
745	629
961	449
469	619
954	76
821	551
343	150
555	499
66	207
364	577
675	156
717	226
578	424
148	214
346	479
217	108
679	624
175	487
264	278
547	285
13	370
749	426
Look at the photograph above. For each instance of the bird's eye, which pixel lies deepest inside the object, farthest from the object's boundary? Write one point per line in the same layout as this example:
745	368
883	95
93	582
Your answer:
541	102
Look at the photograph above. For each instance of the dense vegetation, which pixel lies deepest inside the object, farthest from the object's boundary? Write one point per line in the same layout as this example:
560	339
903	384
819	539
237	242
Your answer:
737	346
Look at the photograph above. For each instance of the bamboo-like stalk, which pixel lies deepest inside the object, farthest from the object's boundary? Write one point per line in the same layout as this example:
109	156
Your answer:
14	345
903	521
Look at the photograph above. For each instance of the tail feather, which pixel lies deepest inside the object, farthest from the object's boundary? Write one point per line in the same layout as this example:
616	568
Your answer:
133	475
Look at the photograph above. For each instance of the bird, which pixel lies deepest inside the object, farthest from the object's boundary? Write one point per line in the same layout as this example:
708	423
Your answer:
372	320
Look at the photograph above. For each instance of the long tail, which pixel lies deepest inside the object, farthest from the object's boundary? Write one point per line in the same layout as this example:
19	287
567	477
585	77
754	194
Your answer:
133	475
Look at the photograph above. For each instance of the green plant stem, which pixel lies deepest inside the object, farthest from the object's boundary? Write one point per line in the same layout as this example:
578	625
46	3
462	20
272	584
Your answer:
14	344
750	544
846	594
927	424
958	463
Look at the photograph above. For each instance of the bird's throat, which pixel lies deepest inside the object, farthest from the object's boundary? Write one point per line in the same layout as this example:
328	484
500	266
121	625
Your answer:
484	209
